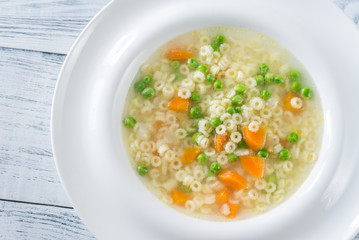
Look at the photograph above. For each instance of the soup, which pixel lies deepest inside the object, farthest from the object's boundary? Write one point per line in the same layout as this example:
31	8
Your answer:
223	123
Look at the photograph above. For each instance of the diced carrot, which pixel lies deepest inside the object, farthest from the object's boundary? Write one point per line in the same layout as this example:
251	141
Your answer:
233	208
253	165
232	179
229	210
158	125
174	54
223	195
179	197
189	155
287	103
179	104
254	140
220	140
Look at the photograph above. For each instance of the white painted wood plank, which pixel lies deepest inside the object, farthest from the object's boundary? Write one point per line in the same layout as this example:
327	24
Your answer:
46	26
27	169
26	221
350	8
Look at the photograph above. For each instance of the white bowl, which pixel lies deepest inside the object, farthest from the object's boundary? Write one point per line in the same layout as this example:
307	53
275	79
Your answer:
89	101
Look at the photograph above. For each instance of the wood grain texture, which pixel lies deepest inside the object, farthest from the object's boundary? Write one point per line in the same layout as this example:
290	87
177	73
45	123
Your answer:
26	221
350	8
46	26
27	169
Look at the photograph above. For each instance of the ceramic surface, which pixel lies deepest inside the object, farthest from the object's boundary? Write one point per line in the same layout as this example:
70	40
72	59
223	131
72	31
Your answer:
89	100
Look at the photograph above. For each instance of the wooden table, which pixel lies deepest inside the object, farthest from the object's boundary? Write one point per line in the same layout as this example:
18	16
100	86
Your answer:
35	36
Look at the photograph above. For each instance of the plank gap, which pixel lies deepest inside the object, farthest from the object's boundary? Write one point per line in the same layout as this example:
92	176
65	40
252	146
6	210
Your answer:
35	203
32	50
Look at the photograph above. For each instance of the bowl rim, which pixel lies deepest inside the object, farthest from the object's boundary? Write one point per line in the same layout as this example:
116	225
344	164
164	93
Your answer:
75	47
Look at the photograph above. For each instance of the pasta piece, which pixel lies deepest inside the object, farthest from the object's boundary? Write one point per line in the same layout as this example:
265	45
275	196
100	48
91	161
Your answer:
229	210
291	99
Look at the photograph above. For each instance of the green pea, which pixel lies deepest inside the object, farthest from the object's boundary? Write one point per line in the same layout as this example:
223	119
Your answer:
232	157
192	63
263	68
142	169
175	64
215	122
238	110
189	134
178	76
294	75
284	154
148	80
263	153
195	112
215	167
210	78
195	97
230	110
265	94
148	93
213	131
129	122
195	137
220	39
196	122
139	86
268	78
202	158
306	93
202	68
185	188
215	47
242	144
272	178
211	173
296	86
240	89
259	79
218	84
237	100
293	137
278	79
